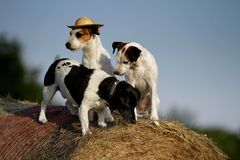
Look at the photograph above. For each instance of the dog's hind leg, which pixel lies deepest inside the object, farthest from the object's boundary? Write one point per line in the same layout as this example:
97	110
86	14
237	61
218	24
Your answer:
107	114
48	93
101	118
73	110
155	102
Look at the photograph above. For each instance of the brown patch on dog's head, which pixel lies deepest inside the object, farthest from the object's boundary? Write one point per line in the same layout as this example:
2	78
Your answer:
85	33
118	45
132	53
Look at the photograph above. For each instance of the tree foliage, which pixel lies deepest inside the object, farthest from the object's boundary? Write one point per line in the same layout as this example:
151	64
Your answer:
16	79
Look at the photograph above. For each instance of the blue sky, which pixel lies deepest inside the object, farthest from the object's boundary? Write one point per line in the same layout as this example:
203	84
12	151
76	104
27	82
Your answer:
196	45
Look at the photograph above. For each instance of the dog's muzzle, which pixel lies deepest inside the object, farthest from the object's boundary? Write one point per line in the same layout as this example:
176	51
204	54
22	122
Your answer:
68	45
116	72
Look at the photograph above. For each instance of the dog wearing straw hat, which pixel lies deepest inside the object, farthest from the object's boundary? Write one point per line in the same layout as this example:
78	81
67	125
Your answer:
84	35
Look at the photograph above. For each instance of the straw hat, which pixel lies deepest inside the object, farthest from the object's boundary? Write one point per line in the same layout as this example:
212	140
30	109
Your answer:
84	22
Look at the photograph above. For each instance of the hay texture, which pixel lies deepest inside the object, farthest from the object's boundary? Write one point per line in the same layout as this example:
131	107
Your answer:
168	141
144	140
22	137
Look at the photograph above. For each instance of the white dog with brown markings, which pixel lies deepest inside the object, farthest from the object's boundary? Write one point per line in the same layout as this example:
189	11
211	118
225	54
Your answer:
85	35
141	71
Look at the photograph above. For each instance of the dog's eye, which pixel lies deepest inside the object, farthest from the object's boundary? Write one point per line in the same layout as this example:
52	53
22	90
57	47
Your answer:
78	34
70	33
125	62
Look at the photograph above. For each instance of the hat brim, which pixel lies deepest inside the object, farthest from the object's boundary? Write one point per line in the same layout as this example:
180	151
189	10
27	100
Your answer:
84	26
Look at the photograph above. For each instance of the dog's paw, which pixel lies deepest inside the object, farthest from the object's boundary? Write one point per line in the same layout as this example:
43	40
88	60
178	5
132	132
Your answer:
154	118
109	119
102	124
84	133
42	120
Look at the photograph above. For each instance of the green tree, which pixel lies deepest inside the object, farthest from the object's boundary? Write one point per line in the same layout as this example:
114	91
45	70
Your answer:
16	80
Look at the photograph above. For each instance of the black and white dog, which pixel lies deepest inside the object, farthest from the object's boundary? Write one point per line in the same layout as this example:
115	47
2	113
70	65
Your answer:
88	89
141	71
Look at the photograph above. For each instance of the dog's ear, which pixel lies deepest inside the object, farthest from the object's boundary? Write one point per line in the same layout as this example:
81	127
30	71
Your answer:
95	30
132	53
118	45
92	30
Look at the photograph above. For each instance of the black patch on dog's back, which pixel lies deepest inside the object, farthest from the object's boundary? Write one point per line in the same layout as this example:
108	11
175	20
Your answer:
49	78
132	53
77	81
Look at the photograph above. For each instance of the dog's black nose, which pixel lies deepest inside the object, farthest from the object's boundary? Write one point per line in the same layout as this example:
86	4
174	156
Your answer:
67	45
116	72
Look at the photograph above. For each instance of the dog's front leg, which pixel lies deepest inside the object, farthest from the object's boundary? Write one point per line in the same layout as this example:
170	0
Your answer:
133	83
135	113
83	116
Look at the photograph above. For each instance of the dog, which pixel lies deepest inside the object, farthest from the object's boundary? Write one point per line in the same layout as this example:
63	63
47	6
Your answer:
141	71
88	89
85	35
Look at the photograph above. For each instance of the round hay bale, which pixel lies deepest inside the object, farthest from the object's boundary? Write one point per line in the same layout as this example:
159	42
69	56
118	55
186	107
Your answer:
22	137
20	132
170	141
